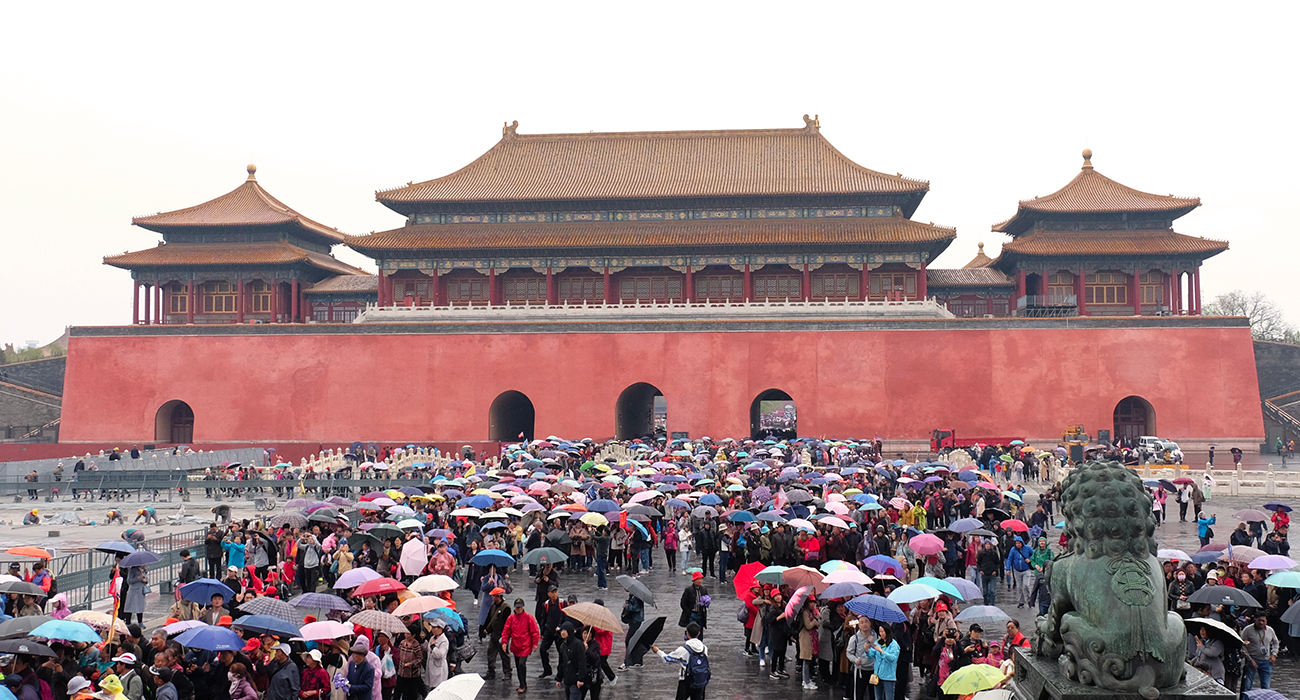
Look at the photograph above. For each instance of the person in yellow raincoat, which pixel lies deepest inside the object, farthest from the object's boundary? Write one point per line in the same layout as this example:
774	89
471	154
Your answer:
111	686
919	513
906	518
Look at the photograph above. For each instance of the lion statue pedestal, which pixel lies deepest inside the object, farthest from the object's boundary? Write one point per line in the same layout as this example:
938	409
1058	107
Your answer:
1107	633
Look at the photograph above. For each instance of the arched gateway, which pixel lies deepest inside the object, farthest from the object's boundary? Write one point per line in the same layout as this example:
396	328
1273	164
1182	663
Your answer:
772	414
511	417
1134	417
635	413
174	423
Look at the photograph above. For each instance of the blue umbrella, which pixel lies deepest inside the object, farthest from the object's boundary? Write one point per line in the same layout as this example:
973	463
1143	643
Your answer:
884	565
267	624
876	608
709	499
1205	557
866	498
447	617
640	527
769	516
480	501
115	547
140	558
968	476
67	631
493	556
966	525
211	639
741	516
498	525
202	590
602	505
675	503
844	589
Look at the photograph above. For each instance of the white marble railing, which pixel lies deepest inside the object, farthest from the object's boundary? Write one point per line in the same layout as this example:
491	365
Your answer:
843	309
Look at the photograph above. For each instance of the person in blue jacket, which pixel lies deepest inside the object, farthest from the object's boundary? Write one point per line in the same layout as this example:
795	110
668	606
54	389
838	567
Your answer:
1203	523
1017	564
884	654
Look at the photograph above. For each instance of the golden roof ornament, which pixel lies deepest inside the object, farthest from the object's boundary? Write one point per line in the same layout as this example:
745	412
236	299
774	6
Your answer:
1087	159
252	173
508	131
812	125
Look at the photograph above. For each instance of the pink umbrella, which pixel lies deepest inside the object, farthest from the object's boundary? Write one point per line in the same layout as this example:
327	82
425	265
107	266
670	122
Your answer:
987	485
800	576
797	599
926	545
847	576
900	503
355	577
325	631
539	487
837	508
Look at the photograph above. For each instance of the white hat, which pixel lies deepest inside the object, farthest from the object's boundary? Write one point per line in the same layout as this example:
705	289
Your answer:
128	658
77	684
314	653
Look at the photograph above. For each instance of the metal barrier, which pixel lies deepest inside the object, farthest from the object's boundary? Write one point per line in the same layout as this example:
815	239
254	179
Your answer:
85	577
118	486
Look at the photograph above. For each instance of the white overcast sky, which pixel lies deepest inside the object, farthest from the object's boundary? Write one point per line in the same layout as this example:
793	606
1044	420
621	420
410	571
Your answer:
110	110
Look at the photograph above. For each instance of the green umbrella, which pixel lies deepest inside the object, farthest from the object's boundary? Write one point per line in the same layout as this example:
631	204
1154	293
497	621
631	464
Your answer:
358	537
543	555
385	531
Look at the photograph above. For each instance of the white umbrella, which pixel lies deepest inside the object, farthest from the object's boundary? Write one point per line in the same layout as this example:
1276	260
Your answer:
355	577
465	686
834	522
1177	554
433	583
419	605
415	556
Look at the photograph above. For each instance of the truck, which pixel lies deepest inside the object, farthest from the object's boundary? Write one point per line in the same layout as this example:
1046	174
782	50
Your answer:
946	439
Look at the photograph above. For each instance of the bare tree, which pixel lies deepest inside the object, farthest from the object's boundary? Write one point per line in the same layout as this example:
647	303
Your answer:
1266	319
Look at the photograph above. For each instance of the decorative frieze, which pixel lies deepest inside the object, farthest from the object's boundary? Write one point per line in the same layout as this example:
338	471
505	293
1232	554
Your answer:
550	217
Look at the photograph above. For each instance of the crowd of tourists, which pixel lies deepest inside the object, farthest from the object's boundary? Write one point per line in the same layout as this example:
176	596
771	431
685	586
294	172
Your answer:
858	575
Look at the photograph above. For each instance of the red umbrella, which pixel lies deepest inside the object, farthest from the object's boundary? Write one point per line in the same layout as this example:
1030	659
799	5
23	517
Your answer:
379	586
1185	480
797	599
746	578
925	545
1212	548
1015	525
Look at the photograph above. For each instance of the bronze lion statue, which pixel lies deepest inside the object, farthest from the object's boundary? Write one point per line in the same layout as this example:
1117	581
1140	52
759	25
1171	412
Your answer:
1107	624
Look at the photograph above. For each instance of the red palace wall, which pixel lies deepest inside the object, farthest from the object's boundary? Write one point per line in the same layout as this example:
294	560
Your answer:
396	384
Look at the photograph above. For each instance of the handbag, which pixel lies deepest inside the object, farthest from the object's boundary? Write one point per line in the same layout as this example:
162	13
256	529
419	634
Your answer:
1182	605
875	680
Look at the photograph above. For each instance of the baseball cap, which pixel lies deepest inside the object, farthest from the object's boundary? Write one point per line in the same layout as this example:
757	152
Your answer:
941	606
519	602
232	568
128	658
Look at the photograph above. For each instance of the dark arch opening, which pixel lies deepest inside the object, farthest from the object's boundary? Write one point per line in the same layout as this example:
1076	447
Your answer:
511	417
640	411
174	423
1134	417
773	415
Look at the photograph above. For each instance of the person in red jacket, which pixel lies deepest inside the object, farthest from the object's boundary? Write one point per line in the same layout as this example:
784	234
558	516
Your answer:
521	637
605	639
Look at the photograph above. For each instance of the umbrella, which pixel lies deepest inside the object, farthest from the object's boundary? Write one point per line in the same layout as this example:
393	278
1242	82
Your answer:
211	638
22	588
265	606
385	531
845	589
926	545
378	620
834	565
1251	515
965	525
983	615
1205	557
746	578
176	628
741	516
359	538
355	577
972	679
594	519
883	564
414	557
637	589
968	589
800	576
23	626
29	551
1284	579
940	585
544	555
1176	554
98	620
419	605
646	635
201	591
876	608
1275	507
995	514
1213	624
847	576
771	575
379	586
112	547
320	601
267	624
433	583
1241	555
1264	694
24	646
290	519
1213	548
141	557
67	631
769	516
464	686
448	617
325	630
597	616
1223	595
602	505
797	599
1272	562
1016	525
493	556
981	532
705	512
913	592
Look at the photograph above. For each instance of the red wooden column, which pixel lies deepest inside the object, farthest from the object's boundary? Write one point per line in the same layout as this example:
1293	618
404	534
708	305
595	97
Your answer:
148	292
749	285
1020	290
160	297
922	288
1135	291
690	286
439	295
492	286
1042	284
551	296
379	294
293	301
807	283
239	302
1080	282
609	299
865	289
190	298
1196	294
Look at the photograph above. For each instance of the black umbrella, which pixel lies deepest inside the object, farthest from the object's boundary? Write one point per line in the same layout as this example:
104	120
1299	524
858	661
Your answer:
558	538
799	496
645	637
1224	595
385	531
22	626
320	517
358	537
27	646
115	548
644	510
1291	616
980	532
996	515
637	589
22	588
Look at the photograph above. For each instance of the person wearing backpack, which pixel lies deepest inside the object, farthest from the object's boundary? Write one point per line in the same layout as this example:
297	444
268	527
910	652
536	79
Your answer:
693	659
